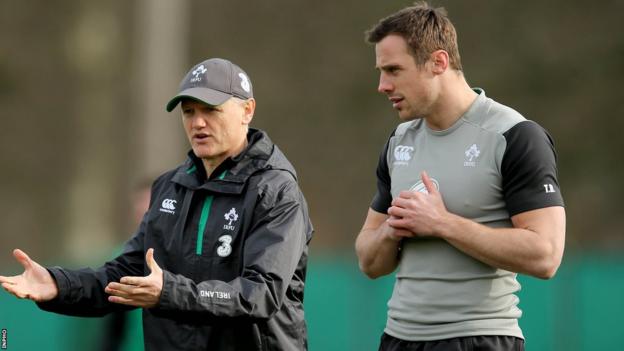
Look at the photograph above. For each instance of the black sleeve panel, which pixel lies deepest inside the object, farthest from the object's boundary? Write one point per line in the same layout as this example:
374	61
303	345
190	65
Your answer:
529	169
383	197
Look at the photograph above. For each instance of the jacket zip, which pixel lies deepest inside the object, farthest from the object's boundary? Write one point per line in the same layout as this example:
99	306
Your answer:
203	219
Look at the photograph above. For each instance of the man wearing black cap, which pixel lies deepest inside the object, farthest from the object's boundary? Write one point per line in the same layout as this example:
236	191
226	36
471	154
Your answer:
219	260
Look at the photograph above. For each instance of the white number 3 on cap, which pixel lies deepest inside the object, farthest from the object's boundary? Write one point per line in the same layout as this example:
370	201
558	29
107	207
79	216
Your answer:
244	82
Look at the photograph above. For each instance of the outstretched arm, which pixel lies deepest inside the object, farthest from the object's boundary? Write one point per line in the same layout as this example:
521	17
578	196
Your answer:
35	283
81	292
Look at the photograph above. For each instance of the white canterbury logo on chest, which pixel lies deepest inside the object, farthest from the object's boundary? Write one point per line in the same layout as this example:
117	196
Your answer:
402	154
168	206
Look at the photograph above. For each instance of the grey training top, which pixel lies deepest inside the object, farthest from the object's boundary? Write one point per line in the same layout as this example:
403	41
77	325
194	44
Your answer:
490	165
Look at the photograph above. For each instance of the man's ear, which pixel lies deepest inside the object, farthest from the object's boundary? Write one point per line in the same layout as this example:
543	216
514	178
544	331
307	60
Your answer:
440	60
249	109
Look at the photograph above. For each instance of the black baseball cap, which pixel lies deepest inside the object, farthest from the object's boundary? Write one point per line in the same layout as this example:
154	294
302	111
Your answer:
213	82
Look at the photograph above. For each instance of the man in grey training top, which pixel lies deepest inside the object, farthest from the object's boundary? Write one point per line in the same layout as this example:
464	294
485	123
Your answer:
467	197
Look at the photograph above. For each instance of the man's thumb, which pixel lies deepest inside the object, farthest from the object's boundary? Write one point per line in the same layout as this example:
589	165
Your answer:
22	258
431	188
151	262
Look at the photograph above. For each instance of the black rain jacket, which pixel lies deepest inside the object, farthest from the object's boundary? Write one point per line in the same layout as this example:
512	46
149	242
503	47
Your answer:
233	249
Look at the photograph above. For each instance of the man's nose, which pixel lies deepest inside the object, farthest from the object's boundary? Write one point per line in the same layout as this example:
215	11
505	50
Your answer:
198	121
384	85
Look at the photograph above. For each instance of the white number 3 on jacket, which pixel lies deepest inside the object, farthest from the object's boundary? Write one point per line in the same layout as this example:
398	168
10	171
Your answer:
225	249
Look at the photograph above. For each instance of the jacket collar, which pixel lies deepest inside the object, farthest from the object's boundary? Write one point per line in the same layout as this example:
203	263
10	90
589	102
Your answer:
233	173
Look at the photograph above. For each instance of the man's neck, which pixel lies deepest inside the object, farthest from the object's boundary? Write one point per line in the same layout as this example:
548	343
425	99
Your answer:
210	164
454	100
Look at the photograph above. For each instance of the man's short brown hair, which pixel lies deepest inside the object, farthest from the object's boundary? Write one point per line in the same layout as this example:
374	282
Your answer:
424	28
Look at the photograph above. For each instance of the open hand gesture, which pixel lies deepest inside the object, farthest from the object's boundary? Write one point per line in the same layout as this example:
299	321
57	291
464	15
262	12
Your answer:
138	291
35	283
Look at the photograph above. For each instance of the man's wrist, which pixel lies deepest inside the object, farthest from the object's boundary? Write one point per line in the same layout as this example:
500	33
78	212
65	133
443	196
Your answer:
387	233
444	227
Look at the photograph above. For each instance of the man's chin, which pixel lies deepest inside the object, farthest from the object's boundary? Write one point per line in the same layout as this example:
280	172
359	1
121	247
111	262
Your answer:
404	117
202	153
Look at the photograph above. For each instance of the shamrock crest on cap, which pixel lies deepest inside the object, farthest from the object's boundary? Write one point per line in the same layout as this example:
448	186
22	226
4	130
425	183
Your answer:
197	72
